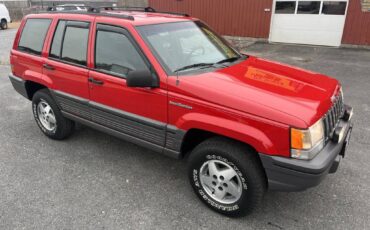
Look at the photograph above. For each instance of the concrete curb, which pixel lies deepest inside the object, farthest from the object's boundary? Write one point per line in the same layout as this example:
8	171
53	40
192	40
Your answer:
355	46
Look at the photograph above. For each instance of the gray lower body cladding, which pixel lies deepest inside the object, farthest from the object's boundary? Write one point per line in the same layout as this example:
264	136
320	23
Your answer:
149	133
19	85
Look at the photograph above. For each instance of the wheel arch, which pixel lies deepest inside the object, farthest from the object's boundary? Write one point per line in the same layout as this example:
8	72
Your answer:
202	126
195	136
32	87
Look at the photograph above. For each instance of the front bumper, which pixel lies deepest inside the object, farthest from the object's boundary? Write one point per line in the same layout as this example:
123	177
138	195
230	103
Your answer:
287	174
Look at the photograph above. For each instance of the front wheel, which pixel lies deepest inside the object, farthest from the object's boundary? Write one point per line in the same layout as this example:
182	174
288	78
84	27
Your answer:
227	176
48	116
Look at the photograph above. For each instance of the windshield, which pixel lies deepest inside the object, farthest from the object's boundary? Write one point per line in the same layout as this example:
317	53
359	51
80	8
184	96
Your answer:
186	45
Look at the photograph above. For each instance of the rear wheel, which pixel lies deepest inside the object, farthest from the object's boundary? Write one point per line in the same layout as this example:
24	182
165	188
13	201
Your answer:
4	24
227	176
48	116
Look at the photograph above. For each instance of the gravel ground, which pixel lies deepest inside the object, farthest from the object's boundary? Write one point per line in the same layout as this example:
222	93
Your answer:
94	181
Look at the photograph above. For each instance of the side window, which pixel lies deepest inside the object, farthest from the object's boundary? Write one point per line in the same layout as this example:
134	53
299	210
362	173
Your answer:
70	42
114	53
308	7
334	8
33	35
75	45
57	40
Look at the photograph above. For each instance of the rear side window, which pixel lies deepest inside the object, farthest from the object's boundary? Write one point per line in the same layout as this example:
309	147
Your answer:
33	35
57	41
70	42
75	45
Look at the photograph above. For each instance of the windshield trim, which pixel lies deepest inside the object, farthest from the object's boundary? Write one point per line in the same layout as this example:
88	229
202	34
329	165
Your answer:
168	71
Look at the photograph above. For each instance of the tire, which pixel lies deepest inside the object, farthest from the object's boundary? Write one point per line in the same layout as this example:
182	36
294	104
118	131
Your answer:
49	118
246	187
4	24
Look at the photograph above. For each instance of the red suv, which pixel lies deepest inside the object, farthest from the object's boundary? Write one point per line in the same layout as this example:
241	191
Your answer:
170	83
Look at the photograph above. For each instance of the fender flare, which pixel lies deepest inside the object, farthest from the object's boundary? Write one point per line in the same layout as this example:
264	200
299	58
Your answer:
38	78
228	128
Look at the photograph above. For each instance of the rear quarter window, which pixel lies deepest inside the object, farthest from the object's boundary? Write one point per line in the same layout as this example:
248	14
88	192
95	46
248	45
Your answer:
33	35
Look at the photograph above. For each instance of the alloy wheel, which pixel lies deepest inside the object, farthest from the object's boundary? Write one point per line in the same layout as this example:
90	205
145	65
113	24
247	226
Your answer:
46	116
220	181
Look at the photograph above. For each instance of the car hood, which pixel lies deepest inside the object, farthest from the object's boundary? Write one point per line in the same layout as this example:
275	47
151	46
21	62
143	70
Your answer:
267	89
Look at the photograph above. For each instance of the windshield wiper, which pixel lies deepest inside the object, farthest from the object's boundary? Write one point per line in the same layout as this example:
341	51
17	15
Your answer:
194	66
232	59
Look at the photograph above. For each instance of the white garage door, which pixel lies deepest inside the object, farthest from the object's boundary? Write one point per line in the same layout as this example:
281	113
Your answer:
308	22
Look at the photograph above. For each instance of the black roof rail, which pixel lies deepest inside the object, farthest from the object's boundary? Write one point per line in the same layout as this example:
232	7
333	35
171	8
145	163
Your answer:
144	9
133	8
173	13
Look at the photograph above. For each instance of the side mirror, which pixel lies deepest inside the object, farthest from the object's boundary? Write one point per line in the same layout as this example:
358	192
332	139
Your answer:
142	78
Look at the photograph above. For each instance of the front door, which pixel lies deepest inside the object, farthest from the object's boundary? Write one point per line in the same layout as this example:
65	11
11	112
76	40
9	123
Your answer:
308	22
138	113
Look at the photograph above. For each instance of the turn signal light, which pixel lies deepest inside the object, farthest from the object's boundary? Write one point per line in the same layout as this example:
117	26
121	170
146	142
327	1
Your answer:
296	138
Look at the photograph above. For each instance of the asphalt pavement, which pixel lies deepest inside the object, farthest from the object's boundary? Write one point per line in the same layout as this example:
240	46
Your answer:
95	181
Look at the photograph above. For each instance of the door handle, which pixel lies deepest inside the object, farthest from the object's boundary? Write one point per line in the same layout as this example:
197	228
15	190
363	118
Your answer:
96	82
48	67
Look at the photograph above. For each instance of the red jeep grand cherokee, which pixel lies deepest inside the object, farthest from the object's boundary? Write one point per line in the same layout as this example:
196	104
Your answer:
169	83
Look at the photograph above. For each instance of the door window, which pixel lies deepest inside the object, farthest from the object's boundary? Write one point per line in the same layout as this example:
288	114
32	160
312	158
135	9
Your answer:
57	41
33	36
70	42
334	8
285	7
75	45
308	7
115	54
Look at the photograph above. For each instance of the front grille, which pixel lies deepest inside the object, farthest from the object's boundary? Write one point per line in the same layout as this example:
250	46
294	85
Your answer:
331	118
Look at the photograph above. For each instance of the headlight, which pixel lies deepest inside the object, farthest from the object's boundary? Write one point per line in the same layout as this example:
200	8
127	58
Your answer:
306	143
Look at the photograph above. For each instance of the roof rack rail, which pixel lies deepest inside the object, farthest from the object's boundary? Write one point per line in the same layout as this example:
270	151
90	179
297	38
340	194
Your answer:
144	9
173	13
133	8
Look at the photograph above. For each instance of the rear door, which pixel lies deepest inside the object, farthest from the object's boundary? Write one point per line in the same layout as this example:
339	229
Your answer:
140	114
66	66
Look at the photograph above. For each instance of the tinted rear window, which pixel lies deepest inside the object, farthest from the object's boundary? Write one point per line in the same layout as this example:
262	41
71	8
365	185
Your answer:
33	35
